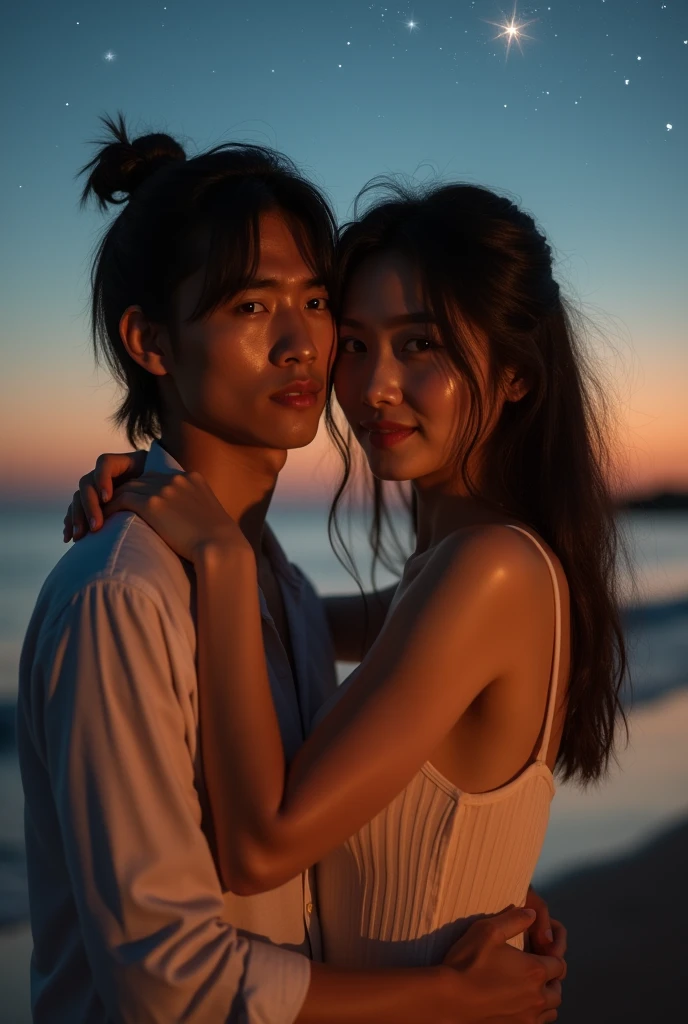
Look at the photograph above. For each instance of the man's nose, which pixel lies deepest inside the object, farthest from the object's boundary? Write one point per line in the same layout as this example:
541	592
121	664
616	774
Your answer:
296	340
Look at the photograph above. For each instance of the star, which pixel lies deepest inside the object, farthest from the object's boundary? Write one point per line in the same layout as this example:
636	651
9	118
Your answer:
109	56
411	25
669	127
513	32
627	81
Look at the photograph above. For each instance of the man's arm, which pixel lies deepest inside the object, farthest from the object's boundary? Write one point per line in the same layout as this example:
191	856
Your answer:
148	897
352	633
482	980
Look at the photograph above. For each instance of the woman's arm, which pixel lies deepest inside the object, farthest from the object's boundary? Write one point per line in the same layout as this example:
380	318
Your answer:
271	821
355	621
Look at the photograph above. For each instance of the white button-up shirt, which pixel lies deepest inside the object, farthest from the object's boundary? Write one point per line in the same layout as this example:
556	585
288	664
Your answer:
128	917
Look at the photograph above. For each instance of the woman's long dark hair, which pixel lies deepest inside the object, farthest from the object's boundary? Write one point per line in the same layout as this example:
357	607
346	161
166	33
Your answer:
484	265
179	214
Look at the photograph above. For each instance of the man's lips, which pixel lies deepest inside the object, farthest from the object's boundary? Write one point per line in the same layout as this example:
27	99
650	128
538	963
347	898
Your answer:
298	394
387	433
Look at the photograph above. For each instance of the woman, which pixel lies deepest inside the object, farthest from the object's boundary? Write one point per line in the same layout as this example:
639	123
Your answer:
423	792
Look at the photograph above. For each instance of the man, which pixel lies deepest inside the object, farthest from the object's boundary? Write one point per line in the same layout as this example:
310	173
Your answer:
229	366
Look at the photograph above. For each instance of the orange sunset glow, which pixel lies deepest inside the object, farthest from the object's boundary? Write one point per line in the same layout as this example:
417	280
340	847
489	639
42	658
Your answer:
53	434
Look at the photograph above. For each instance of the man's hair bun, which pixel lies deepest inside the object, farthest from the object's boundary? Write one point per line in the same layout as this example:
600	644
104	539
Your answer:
122	164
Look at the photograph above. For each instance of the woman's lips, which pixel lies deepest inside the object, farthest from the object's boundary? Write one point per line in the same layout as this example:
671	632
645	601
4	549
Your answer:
387	434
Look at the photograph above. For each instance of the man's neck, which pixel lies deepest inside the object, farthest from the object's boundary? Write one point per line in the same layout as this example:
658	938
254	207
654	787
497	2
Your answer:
242	478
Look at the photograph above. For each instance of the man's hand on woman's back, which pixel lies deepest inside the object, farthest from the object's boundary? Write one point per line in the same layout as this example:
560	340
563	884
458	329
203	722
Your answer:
499	984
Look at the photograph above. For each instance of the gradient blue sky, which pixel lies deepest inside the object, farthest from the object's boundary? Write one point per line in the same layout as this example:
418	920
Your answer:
351	90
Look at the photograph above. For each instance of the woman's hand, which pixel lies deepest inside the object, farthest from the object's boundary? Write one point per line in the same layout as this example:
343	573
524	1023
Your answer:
183	510
96	488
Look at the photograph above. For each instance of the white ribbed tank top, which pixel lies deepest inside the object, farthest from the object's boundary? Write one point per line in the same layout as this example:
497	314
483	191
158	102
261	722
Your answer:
405	887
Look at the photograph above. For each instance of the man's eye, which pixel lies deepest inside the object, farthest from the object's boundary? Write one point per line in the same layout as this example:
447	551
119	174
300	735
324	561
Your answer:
423	345
252	307
319	303
351	345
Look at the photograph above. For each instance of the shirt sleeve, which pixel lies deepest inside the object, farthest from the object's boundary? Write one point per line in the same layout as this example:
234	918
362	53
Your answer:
147	893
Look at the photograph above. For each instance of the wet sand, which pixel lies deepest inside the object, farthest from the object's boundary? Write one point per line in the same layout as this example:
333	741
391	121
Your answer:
628	936
15	953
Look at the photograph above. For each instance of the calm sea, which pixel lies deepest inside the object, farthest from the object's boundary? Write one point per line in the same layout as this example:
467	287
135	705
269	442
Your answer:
30	544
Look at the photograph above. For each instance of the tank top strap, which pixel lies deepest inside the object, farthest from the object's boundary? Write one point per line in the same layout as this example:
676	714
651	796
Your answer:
556	657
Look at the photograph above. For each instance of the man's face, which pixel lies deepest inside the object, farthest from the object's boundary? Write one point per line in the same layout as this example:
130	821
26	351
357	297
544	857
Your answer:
233	372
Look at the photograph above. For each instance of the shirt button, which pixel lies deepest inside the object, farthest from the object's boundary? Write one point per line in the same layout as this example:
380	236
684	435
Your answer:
309	908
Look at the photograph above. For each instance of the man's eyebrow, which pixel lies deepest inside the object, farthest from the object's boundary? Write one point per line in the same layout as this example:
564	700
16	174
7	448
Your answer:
273	282
421	317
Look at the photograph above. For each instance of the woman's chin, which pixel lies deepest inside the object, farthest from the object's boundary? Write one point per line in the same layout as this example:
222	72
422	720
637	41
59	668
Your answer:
385	467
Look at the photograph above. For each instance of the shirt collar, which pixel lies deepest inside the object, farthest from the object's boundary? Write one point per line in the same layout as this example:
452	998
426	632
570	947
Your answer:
160	461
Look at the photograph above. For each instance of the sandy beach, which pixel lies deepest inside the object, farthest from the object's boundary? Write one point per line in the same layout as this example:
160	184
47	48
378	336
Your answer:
15	952
628	943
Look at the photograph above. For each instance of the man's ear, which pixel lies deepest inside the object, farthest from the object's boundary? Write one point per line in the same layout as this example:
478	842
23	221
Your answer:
146	342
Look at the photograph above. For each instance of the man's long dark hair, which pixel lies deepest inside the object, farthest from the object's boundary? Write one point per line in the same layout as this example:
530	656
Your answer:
484	265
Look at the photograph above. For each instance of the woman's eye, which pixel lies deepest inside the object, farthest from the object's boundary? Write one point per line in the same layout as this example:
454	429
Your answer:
422	345
252	307
320	303
351	345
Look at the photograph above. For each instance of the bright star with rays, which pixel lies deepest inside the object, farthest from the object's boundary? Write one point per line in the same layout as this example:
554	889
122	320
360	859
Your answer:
513	32
411	25
109	56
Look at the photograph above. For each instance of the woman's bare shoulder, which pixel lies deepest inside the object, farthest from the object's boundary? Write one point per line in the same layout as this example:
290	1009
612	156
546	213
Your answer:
490	559
496	545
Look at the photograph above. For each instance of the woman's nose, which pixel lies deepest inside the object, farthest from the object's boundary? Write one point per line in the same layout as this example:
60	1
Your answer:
382	385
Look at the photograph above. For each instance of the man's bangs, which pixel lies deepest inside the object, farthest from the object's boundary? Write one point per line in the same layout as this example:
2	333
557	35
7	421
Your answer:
315	247
230	246
230	251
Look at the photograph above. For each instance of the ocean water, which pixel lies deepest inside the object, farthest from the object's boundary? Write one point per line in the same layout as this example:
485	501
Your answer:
649	788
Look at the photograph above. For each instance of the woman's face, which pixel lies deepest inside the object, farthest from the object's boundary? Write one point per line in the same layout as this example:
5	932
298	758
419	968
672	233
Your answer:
400	391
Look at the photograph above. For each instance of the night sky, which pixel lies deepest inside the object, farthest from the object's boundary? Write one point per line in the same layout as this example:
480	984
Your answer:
579	111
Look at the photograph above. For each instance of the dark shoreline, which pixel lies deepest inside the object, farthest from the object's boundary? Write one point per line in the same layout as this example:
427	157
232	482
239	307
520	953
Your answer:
661	501
53	501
